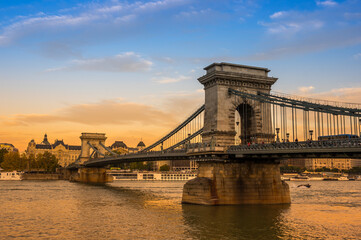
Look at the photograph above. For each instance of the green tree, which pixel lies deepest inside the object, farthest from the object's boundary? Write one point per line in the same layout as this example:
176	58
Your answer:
3	151
355	170
14	162
164	168
137	166
290	169
47	162
148	166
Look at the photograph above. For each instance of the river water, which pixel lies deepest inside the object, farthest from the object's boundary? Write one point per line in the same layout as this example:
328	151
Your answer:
153	210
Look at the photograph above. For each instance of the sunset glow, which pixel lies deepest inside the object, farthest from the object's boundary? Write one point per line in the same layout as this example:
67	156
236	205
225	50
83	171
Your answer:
130	69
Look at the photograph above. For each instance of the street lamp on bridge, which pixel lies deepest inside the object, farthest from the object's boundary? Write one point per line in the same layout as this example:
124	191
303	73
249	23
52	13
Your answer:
311	132
278	137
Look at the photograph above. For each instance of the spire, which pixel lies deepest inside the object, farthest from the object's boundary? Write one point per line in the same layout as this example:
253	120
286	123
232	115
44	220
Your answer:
45	140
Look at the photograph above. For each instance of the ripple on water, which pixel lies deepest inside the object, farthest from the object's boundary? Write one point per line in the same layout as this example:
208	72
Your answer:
153	210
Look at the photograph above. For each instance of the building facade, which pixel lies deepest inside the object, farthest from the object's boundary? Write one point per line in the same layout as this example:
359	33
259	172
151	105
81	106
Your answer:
342	163
66	154
8	147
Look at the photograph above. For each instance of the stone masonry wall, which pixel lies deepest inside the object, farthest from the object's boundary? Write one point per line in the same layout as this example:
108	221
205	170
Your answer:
236	183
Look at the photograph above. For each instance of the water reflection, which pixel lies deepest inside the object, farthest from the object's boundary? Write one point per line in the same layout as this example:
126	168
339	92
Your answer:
152	210
234	222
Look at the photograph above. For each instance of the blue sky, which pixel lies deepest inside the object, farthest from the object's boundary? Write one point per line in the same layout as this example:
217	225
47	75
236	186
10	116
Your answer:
65	61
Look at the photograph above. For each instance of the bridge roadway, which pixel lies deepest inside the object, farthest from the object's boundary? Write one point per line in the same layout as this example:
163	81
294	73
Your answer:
308	149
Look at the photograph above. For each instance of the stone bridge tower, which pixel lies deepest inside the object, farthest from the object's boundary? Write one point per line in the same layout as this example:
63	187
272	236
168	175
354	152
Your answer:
94	139
221	107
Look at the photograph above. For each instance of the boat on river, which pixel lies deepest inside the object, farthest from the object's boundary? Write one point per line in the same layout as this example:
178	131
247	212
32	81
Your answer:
330	179
343	178
14	175
300	178
152	176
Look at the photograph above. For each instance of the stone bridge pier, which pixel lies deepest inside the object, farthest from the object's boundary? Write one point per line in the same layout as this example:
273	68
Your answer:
90	174
228	180
227	183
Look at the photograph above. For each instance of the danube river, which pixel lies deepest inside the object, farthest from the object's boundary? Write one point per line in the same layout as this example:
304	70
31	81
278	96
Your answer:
153	210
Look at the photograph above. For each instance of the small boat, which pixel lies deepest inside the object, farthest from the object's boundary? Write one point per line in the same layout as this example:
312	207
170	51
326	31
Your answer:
15	175
299	178
343	178
330	179
304	185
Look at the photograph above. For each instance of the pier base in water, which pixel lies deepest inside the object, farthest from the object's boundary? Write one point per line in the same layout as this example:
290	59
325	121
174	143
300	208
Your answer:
237	183
91	175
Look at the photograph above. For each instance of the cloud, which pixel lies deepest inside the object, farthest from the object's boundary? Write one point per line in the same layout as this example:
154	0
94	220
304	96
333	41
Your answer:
352	15
124	62
278	15
90	19
293	26
357	56
346	95
159	5
165	80
316	42
119	119
327	3
114	112
299	32
195	14
306	89
59	50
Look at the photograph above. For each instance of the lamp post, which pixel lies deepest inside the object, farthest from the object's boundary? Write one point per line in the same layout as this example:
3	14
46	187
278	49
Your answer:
278	137
239	133
311	132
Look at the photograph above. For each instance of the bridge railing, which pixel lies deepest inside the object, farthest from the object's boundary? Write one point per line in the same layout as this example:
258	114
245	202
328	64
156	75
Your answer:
317	101
351	143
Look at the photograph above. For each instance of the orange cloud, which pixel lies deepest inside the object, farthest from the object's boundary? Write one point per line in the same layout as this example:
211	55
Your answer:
120	120
346	95
103	113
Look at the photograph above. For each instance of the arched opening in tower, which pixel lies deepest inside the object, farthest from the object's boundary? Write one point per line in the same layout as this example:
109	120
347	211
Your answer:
244	124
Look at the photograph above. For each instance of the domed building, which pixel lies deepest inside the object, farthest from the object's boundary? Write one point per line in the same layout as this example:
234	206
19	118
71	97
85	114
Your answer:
141	145
119	147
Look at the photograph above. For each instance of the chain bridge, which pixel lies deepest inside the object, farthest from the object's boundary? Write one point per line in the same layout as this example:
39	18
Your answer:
239	136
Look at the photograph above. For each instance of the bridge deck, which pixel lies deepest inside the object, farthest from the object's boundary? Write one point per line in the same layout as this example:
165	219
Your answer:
315	149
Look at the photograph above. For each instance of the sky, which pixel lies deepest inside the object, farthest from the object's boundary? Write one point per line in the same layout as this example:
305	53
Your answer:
129	68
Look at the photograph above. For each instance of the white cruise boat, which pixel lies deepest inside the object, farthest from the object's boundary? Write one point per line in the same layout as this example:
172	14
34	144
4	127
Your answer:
152	176
11	175
343	178
316	178
300	178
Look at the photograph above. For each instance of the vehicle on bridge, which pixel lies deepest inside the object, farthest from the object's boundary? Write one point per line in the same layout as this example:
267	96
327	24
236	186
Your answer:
337	137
